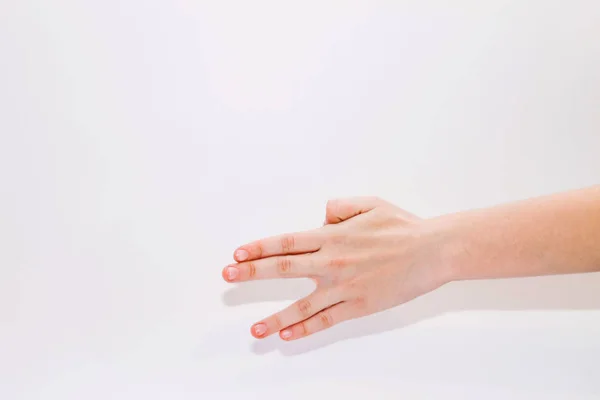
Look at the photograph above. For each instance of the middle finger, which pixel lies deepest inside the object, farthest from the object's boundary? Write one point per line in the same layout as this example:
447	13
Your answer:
296	266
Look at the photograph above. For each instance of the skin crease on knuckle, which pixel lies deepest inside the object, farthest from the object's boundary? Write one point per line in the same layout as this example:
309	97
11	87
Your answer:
325	319
288	243
334	264
277	325
284	266
333	209
340	268
251	270
302	331
337	238
304	308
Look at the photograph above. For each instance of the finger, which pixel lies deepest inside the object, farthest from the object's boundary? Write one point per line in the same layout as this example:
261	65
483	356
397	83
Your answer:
339	210
299	311
292	243
295	266
322	320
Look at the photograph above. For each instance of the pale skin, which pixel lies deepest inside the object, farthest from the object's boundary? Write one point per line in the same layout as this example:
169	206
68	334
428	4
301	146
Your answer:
371	255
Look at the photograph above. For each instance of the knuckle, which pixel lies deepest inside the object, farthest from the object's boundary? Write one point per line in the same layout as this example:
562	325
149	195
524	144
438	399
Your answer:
251	270
360	303
277	322
336	239
304	308
337	263
259	249
355	287
332	209
284	265
326	319
302	329
288	242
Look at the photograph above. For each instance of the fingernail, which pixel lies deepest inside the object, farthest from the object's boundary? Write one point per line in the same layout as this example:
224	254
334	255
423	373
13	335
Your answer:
241	255
286	334
232	273
260	329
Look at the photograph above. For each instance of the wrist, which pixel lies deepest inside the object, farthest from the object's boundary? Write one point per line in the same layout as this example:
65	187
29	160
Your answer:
454	256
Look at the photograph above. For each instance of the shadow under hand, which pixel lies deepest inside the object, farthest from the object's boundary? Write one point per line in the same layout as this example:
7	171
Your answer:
566	292
270	290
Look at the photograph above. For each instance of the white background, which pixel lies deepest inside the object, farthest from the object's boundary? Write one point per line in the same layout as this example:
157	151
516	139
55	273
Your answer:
142	141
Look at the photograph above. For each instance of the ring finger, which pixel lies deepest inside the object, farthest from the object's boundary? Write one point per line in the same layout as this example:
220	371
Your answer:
297	312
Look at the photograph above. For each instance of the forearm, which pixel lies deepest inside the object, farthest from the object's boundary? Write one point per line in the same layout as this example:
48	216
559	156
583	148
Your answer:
372	255
556	234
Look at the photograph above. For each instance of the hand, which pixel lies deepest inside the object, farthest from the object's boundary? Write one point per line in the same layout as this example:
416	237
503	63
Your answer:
369	256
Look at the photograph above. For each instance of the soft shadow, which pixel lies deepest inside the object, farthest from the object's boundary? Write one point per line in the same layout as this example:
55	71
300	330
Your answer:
567	292
273	290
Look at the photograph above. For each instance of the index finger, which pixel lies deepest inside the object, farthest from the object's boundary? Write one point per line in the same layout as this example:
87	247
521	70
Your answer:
291	243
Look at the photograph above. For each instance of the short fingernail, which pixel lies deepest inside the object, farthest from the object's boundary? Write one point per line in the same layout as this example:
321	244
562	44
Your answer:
232	273
260	329
286	334
241	255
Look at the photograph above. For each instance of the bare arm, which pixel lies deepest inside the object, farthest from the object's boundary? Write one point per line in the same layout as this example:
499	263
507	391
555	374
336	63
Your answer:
372	255
554	234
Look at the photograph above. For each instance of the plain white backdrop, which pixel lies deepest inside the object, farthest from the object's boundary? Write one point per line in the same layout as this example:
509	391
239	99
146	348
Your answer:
142	141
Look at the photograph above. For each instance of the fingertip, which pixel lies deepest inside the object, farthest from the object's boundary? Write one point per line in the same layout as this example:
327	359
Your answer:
259	330
286	334
230	273
240	255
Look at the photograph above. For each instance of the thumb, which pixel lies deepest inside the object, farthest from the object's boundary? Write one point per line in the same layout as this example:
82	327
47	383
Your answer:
339	210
